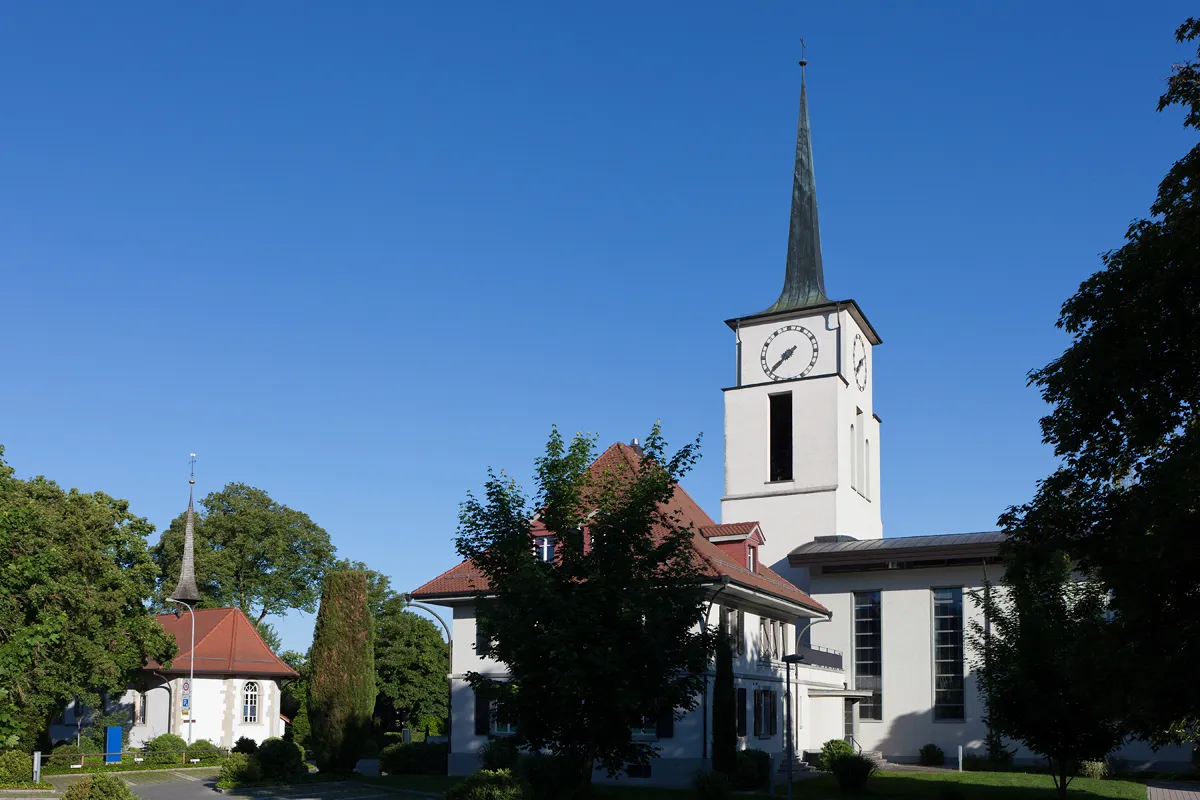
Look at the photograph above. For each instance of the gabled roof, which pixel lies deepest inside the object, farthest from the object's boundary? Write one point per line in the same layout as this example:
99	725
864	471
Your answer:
466	579
226	643
731	530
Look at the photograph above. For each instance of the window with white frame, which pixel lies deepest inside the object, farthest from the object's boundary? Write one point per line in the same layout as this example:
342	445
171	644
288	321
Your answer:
250	702
502	727
949	701
544	548
752	558
648	726
868	653
139	712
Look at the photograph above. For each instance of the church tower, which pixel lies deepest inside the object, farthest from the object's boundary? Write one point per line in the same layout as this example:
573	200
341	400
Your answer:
801	436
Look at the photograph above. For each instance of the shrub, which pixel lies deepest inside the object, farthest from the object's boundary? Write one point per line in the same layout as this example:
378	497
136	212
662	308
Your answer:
240	769
500	753
166	748
832	749
341	687
487	785
279	760
752	769
417	758
852	771
1093	769
65	755
711	786
16	767
206	751
245	745
99	787
370	749
931	756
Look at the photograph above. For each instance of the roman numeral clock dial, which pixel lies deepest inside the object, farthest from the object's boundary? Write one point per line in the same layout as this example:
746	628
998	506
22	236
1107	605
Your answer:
790	352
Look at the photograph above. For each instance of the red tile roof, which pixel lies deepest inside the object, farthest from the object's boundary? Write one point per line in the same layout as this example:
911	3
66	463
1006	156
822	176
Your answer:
226	643
728	529
466	578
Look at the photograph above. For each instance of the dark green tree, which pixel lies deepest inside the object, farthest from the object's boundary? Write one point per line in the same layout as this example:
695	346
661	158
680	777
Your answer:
411	663
604	638
270	636
724	720
1125	421
379	586
1037	666
251	552
294	699
341	682
76	582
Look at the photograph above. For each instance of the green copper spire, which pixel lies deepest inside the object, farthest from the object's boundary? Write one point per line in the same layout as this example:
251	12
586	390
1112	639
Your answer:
804	281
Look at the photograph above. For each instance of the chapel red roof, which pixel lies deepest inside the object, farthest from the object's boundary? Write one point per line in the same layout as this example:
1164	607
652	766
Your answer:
466	578
226	643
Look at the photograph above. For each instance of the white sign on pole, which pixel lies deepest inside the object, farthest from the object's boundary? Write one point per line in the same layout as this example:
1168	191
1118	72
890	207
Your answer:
185	699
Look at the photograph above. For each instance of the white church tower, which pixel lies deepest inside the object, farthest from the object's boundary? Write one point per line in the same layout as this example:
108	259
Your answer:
801	435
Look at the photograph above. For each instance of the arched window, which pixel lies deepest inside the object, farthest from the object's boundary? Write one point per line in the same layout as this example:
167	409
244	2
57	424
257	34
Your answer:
250	702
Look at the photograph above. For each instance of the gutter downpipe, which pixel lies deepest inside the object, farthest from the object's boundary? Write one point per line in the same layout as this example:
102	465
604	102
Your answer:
704	703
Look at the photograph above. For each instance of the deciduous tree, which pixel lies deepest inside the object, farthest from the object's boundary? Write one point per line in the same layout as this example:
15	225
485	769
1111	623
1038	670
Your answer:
76	581
251	552
605	638
1125	420
411	663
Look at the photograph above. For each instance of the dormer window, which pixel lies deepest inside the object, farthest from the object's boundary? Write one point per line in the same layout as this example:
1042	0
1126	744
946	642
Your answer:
543	548
752	558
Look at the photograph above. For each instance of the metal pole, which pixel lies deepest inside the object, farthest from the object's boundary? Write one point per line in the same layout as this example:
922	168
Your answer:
449	665
791	757
191	667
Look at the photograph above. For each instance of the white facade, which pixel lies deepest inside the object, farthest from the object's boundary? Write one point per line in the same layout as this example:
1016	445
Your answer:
688	749
220	704
834	485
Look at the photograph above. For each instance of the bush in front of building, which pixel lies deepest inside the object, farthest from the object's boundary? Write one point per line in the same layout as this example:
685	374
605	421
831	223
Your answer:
500	753
99	787
711	786
65	755
415	758
240	769
752	769
1094	769
245	744
206	751
833	749
279	760
931	756
15	767
485	784
166	748
852	771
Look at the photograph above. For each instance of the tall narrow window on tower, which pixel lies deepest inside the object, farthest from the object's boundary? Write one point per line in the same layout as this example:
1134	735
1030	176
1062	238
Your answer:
867	469
781	437
948	695
868	653
860	430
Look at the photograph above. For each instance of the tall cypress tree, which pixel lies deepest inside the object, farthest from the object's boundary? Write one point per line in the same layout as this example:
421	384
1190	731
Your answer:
724	723
341	687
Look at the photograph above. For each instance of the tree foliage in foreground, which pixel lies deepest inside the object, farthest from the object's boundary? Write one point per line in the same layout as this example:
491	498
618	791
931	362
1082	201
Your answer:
1038	672
251	552
1125	421
411	664
76	580
607	637
724	720
341	672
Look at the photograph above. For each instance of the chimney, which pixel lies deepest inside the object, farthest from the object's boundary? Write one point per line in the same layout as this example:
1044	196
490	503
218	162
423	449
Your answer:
636	446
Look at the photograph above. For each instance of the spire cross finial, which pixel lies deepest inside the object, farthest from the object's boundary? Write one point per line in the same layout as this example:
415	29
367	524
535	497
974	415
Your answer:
192	464
803	60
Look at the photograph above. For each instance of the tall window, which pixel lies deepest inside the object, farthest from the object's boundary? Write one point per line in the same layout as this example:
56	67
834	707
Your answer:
853	458
766	716
250	702
544	548
500	725
752	558
140	710
867	469
948	698
781	437
868	653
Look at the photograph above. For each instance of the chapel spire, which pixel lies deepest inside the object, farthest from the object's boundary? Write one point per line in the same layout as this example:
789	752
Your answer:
804	279
186	589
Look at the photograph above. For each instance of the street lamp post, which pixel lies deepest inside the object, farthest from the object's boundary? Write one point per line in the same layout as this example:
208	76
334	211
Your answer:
408	599
191	661
790	753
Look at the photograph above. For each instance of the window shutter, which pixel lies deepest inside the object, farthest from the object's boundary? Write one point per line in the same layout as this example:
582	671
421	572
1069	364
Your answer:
741	712
758	712
483	710
773	715
666	724
741	632
724	620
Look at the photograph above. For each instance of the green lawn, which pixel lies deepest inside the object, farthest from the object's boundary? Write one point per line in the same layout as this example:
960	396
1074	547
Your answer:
884	786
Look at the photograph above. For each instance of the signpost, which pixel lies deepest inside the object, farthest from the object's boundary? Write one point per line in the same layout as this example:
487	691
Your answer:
185	703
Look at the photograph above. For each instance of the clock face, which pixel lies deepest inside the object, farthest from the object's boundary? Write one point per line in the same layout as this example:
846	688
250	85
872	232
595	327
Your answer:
859	355
790	352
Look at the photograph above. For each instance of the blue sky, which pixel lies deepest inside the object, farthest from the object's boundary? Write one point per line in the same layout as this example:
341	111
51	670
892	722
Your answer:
355	254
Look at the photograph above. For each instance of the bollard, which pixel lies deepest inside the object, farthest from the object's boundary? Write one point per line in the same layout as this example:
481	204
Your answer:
37	766
960	758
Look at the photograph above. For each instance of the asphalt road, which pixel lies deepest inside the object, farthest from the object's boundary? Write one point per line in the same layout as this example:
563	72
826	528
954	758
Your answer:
199	785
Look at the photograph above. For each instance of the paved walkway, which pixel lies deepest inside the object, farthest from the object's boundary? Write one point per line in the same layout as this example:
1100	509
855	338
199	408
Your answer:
198	784
1166	790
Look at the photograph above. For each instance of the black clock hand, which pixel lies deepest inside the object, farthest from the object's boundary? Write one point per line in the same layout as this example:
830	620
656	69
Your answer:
784	357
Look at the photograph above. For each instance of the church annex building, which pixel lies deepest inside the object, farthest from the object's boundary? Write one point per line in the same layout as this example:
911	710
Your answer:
798	562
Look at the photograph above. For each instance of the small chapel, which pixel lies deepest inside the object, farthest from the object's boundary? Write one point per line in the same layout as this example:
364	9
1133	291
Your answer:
801	573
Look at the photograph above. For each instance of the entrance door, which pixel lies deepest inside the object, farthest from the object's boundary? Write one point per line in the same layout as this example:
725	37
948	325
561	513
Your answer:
849	717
